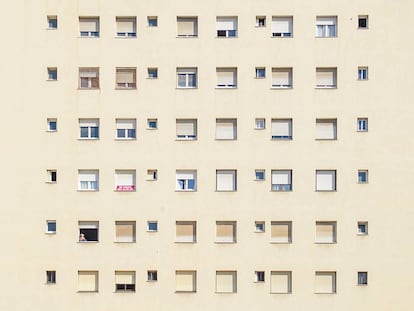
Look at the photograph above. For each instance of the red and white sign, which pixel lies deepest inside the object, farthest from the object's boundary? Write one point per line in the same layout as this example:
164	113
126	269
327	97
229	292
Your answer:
125	188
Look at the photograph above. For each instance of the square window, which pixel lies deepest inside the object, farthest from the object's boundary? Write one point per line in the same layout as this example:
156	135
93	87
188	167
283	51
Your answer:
363	21
226	78
88	281
125	231
89	26
325	180
89	128
226	180
226	281
326	129
260	72
51	277
260	21
282	78
152	73
52	22
185	231
281	129
226	129
152	124
152	174
282	26
326	26
186	78
186	180
186	129
88	180
152	21
362	176
51	125
260	123
126	128
362	124
259	276
126	27
51	226
362	278
185	281
362	73
152	275
88	78
152	226
281	282
126	78
326	78
51	176
187	27
88	231
281	232
125	281
362	228
125	180
325	232
226	232
281	180
259	226
325	282
226	27
52	74
259	174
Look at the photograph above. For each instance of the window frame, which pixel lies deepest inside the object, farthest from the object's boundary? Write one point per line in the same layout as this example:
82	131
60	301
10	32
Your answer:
152	174
152	21
260	72
233	187
152	226
121	72
284	187
260	276
364	225
152	73
281	129
183	132
92	129
362	278
361	178
125	286
361	24
90	231
220	289
226	239
188	273
227	33
120	237
277	76
362	73
186	239
222	129
129	129
362	124
260	21
333	187
285	274
52	74
282	34
90	273
260	123
189	76
126	19
152	275
151	122
51	227
259	226
90	33
321	73
92	185
50	122
332	275
187	19
321	129
88	78
182	181
326	23
260	174
120	186
228	70
321	236
279	234
50	277
50	24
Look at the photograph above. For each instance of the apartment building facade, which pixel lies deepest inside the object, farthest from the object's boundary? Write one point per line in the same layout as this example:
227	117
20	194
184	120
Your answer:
203	155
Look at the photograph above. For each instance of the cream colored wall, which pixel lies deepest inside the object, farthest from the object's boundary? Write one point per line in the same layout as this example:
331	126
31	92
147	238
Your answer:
28	151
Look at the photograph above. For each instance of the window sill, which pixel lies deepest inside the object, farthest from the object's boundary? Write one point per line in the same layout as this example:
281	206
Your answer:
51	182
281	293
325	191
186	88
226	191
125	292
187	36
362	234
51	131
51	80
226	87
152	281
260	78
225	242
88	190
186	139
152	128
281	190
88	242
50	283
281	88
224	37
87	291
48	28
225	139
151	180
87	138
326	87
152	231
325	139
125	37
185	292
126	139
89	37
259	179
185	242
50	233
326	37
281	139
225	293
322	243
88	88
152	78
120	242
185	190
258	231
273	242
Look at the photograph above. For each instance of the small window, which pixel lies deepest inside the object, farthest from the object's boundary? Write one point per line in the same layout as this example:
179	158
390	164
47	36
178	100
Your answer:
363	21
152	275
126	27
226	27
259	226
362	176
281	129
325	282
281	180
260	123
152	124
186	180
326	78
126	78
152	73
281	232
282	78
89	26
88	180
325	180
185	232
52	74
125	281
88	231
226	180
260	72
226	281
52	22
362	124
88	281
362	278
89	128
51	125
282	26
152	21
226	232
185	281
51	277
281	282
186	129
187	27
325	232
88	78
326	129
259	276
152	226
51	176
226	129
260	21
152	174
125	180
51	226
362	228
259	175
126	128
125	231
362	73
326	26
226	78
186	78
